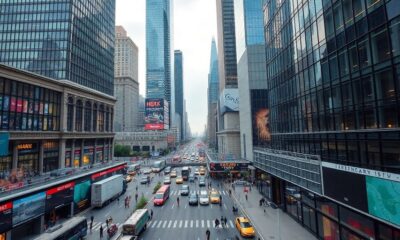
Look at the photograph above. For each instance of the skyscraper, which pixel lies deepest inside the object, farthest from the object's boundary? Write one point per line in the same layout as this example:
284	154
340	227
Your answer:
213	94
126	83
76	44
159	52
333	78
228	106
251	68
179	90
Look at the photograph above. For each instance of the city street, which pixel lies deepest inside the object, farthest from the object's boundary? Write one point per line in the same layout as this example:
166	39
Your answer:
191	221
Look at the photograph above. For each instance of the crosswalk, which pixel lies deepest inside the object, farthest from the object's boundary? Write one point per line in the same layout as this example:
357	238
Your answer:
167	224
177	192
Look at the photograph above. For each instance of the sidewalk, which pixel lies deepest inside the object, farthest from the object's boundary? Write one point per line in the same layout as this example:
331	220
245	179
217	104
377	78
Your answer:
266	223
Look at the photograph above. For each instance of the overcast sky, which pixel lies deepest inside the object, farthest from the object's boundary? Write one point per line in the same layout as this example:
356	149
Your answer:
194	27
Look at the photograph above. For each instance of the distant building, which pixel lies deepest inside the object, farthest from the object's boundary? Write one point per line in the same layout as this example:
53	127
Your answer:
126	83
179	91
72	40
141	114
160	52
213	97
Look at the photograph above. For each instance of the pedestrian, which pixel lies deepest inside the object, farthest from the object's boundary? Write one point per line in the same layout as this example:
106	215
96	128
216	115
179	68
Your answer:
230	192
246	197
91	226
136	196
118	201
222	221
91	218
101	231
107	222
225	221
136	188
216	223
208	234
151	214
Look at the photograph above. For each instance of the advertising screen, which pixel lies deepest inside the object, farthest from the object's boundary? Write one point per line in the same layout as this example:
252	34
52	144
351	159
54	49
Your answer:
154	118
27	208
383	199
229	100
59	195
82	195
5	216
260	117
228	166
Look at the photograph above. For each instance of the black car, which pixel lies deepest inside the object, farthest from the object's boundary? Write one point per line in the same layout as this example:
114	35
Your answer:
184	190
167	170
193	199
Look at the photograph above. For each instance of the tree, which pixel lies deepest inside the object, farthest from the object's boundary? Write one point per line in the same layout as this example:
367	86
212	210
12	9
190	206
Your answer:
122	150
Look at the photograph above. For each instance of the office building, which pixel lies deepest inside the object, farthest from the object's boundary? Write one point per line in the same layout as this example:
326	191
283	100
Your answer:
179	91
333	78
141	114
212	97
251	69
160	52
228	134
126	82
76	44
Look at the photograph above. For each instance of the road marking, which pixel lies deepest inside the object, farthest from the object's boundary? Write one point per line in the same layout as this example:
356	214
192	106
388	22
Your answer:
154	224
211	205
180	223
185	205
186	223
208	224
107	214
173	206
170	223
231	223
176	221
202	223
159	224
197	223
225	206
165	224
191	223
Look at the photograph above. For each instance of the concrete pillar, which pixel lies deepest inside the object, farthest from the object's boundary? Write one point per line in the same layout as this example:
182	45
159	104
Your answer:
8	235
61	154
42	222
15	156
41	156
73	116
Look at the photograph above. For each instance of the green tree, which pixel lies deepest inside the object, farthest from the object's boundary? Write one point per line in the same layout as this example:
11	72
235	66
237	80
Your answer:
121	150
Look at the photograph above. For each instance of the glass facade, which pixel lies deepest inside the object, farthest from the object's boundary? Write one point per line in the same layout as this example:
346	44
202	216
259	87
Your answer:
58	38
178	75
159	49
213	79
334	80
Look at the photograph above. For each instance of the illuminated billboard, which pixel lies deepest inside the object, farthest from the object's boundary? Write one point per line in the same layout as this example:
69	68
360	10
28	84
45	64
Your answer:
229	100
260	117
157	114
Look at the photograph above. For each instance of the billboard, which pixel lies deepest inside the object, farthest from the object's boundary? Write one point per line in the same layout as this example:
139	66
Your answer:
28	208
228	166
157	114
4	138
82	195
229	100
59	196
5	216
260	117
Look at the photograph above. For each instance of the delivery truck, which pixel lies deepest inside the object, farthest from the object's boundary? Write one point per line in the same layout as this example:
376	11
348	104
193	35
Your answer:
135	224
106	190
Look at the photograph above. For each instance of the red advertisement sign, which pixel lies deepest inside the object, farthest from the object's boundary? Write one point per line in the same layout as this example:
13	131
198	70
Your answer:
60	188
5	216
6	206
154	126
111	170
19	105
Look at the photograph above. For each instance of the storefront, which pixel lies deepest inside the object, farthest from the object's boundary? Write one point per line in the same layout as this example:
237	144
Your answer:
28	158
88	153
50	155
228	169
58	203
263	183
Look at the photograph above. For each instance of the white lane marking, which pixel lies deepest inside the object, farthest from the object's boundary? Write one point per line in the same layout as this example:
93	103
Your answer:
225	206
170	223
159	224
173	206
175	223
231	223
202	223
165	224
107	214
211	205
208	224
191	223
154	224
186	223
185	205
180	223
197	223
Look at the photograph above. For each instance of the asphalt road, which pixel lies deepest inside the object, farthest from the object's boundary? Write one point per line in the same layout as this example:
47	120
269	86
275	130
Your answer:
170	221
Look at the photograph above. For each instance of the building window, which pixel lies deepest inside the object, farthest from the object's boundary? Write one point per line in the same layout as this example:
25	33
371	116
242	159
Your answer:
380	46
100	118
107	119
94	120
78	116
88	116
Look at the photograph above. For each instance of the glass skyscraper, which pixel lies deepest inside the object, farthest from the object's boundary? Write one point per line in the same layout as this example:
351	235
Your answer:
61	39
159	50
179	96
333	71
213	79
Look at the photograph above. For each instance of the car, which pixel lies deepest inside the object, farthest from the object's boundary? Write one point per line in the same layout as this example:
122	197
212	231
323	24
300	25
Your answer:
128	178
244	227
184	190
146	171
179	180
167	180
202	182
173	173
167	170
214	196
145	179
191	177
203	199
196	171
193	198
202	171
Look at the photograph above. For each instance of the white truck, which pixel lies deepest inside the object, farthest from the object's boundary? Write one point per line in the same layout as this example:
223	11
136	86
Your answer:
106	190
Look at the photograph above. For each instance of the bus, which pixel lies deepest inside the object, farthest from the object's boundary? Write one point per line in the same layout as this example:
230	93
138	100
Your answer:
161	196
185	173
136	223
158	166
176	158
73	228
133	168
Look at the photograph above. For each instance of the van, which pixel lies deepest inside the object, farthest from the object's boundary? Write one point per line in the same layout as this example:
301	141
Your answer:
136	223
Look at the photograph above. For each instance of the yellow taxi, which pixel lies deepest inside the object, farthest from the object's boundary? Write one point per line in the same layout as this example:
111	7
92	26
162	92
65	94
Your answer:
202	171
214	196
129	178
244	227
173	173
179	180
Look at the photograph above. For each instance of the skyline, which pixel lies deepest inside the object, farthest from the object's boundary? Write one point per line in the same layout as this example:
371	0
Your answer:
191	28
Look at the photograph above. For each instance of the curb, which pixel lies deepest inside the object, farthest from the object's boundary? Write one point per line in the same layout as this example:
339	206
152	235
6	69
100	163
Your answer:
245	213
